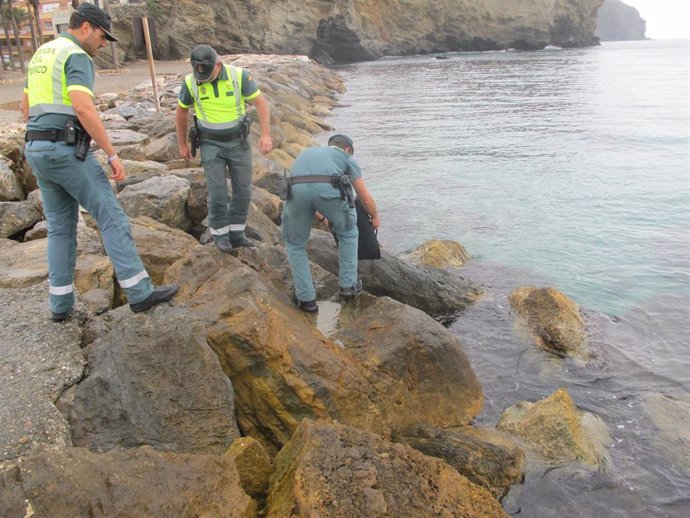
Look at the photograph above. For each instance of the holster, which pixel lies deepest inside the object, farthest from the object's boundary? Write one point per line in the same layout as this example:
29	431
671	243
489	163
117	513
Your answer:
193	140
77	136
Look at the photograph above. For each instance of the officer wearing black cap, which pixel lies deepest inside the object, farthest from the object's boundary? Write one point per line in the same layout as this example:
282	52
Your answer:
218	94
62	120
317	186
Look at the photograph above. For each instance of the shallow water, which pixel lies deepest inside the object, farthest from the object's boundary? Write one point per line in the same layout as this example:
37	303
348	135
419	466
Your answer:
567	168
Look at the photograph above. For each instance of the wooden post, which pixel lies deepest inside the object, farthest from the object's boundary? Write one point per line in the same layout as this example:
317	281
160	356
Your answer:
113	46
152	67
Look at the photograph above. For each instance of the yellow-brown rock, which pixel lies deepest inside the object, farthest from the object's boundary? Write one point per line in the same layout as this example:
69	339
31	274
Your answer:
556	429
439	254
253	464
551	317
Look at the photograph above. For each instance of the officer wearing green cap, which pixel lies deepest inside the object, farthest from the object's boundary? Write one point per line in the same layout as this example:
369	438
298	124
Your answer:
62	120
218	93
320	176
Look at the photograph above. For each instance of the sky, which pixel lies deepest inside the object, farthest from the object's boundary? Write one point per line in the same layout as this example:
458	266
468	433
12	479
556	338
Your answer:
666	19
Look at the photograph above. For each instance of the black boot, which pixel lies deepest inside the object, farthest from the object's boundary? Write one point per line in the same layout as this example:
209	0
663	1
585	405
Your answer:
240	242
224	246
353	291
158	295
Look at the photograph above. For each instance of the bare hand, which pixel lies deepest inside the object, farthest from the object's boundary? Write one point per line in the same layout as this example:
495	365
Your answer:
185	152
117	170
265	144
375	222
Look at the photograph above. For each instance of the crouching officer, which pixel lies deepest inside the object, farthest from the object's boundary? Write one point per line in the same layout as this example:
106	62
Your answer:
218	93
62	119
320	179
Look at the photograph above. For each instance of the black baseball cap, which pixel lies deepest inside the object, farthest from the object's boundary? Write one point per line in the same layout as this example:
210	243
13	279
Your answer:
96	16
203	59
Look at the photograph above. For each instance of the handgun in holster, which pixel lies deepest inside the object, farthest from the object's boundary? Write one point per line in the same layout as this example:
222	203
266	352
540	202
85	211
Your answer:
77	136
194	137
244	131
344	184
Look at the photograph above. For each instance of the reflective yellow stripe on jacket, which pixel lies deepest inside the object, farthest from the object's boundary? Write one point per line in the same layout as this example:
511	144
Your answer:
46	81
218	113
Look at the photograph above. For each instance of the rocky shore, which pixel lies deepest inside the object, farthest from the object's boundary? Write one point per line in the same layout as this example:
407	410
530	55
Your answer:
229	401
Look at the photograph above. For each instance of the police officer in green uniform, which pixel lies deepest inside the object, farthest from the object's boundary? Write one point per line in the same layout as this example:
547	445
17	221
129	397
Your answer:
315	176
218	93
62	119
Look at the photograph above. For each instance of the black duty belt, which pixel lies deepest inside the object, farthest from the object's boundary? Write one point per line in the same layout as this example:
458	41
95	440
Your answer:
314	178
221	138
52	135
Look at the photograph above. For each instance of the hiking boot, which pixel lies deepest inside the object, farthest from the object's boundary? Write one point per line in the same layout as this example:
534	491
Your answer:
307	305
60	317
240	242
224	246
158	295
353	291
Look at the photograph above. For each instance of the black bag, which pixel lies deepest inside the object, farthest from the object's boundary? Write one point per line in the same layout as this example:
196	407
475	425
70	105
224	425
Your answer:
368	247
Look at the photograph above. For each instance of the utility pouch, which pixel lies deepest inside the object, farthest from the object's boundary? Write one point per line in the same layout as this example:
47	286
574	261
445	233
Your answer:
71	133
284	187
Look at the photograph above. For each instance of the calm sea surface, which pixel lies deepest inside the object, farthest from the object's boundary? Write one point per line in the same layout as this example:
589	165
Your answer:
563	168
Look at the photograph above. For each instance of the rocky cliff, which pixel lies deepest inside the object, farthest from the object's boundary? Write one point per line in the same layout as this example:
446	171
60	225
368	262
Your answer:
617	21
345	31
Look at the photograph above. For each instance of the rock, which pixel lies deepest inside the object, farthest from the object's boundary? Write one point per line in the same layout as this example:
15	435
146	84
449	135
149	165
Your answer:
159	246
334	470
39	359
95	272
558	431
671	418
23	264
163	149
16	216
35	198
161	198
440	294
76	482
551	317
253	465
387	366
98	300
438	254
127	137
10	186
155	125
617	21
153	381
12	149
39	231
268	203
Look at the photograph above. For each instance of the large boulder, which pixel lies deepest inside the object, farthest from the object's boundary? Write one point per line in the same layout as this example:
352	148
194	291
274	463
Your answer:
438	293
438	254
558	431
153	381
163	198
387	366
552	318
16	216
163	149
10	185
23	264
38	360
486	457
75	482
671	417
334	470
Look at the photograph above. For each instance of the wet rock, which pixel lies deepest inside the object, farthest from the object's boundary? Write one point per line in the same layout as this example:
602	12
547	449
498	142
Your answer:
387	367
558	431
161	198
38	359
76	482
438	254
334	470
154	381
671	417
486	457
253	464
440	294
10	186
551	317
16	216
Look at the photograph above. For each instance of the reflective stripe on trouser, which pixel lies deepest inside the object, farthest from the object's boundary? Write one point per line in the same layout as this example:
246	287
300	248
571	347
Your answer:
217	157
66	183
298	215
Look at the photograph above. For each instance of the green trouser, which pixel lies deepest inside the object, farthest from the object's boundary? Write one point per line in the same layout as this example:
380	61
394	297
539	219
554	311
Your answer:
66	183
298	215
227	220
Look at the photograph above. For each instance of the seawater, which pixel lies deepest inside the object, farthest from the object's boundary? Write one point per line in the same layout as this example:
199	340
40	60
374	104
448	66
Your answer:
563	168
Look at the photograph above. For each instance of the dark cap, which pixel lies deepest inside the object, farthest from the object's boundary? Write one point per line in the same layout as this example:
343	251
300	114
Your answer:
340	140
96	16
203	59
